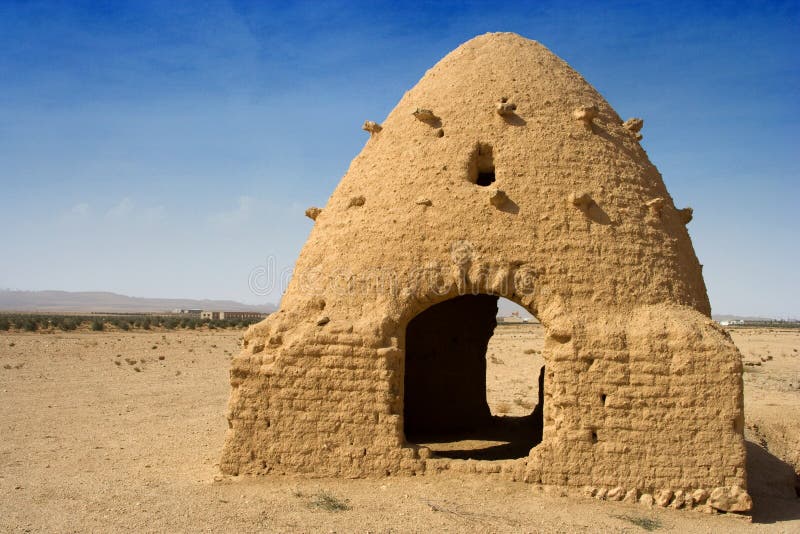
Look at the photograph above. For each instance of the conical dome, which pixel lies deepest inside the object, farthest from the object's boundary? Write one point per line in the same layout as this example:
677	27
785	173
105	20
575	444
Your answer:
502	173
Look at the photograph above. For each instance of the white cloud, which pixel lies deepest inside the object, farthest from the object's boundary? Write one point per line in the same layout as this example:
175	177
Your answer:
80	210
154	214
123	209
236	216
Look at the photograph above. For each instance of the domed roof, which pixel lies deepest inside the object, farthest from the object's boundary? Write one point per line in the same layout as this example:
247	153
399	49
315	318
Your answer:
505	151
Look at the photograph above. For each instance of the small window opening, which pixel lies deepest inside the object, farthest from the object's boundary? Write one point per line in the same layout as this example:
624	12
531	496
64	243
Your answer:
481	165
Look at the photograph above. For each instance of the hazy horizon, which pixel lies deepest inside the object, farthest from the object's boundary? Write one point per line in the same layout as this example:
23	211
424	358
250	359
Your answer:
169	151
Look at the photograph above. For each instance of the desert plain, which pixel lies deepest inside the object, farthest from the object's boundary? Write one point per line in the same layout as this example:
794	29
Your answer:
122	431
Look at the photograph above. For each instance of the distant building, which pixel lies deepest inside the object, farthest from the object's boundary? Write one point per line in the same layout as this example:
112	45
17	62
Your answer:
183	311
220	315
514	318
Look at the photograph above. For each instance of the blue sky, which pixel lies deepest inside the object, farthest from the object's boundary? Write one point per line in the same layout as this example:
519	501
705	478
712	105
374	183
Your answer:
168	148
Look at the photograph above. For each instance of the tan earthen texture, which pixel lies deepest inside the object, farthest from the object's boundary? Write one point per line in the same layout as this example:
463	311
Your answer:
643	392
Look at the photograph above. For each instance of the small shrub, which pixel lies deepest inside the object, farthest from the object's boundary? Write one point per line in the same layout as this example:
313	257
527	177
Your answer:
29	325
4	324
643	522
137	369
97	325
161	357
329	502
117	362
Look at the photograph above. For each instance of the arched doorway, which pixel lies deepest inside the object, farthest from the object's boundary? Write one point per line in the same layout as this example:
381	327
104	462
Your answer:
445	405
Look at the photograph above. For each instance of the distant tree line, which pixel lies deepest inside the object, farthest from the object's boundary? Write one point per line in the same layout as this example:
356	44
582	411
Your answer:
98	323
776	323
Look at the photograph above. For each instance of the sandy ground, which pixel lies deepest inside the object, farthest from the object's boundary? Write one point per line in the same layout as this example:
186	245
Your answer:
91	444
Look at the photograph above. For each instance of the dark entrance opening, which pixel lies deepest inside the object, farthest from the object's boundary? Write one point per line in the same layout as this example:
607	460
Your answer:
445	405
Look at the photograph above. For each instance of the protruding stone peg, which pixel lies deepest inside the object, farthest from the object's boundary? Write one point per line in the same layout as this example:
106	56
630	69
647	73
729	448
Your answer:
425	115
313	212
586	114
372	127
356	201
497	197
581	200
634	126
505	108
686	215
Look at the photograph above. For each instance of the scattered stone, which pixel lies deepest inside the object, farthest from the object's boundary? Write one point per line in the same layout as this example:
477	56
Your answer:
371	127
323	320
632	496
589	491
646	500
678	500
663	497
730	499
616	494
601	494
423	201
439	132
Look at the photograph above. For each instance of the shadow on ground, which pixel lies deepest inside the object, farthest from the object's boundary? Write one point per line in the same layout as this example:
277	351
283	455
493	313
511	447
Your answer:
517	434
774	486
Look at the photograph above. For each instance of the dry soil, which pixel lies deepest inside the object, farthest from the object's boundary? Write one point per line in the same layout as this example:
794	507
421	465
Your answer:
122	431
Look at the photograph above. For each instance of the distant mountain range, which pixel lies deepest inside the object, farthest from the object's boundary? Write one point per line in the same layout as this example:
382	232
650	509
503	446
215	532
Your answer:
101	301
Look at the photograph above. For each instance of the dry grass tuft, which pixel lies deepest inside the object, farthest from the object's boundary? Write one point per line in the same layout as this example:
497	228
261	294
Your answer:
643	522
328	501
